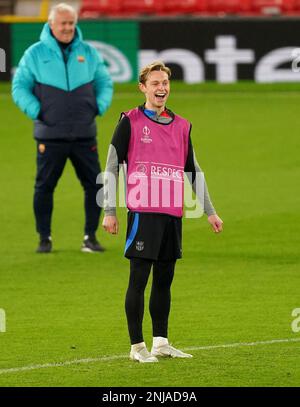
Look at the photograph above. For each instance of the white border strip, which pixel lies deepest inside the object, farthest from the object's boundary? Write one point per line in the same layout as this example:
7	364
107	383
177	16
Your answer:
116	357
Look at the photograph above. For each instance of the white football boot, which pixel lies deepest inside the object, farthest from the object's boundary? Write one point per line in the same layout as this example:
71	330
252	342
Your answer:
167	350
142	355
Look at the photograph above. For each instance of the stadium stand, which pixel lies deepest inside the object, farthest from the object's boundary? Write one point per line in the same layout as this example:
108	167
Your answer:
10	13
127	8
7	7
98	8
265	7
229	6
141	6
173	7
291	7
279	7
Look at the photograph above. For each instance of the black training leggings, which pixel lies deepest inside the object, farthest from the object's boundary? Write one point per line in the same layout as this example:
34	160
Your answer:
160	299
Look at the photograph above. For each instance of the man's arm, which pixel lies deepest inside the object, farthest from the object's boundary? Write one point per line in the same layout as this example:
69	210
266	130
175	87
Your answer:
195	176
103	84
117	154
22	88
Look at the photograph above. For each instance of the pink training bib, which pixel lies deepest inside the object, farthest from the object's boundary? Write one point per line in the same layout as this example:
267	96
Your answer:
157	155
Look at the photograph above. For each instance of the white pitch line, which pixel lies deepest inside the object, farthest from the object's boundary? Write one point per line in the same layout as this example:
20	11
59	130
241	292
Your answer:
116	357
60	364
240	344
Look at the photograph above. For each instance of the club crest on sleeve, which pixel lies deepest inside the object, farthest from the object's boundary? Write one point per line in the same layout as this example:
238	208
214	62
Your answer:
139	245
42	148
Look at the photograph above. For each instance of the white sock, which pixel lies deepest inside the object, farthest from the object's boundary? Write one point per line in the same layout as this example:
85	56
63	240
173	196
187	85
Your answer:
138	346
159	341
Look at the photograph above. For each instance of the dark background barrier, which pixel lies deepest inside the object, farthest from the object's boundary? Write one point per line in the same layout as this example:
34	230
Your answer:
225	50
213	49
5	52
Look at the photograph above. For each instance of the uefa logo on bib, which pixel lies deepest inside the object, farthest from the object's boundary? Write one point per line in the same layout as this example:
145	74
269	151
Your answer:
146	131
146	135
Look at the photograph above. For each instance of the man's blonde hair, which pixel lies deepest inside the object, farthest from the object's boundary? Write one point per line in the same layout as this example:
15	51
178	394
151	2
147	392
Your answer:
61	8
154	66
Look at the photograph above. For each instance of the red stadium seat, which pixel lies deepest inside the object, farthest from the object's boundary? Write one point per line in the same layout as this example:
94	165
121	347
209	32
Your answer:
229	6
267	7
201	5
183	6
291	6
96	8
141	6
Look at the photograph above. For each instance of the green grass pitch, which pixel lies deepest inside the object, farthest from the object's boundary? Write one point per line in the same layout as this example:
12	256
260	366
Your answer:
237	287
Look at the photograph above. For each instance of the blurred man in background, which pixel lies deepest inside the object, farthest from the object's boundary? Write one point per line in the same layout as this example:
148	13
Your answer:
62	84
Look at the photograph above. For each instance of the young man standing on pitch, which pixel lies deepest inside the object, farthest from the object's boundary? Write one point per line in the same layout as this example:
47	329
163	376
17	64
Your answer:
156	146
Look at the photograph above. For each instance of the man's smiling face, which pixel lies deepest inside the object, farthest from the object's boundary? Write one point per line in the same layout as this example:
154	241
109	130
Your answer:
156	90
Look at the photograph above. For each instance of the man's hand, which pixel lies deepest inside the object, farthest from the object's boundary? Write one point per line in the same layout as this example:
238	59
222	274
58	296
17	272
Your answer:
110	224
216	223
